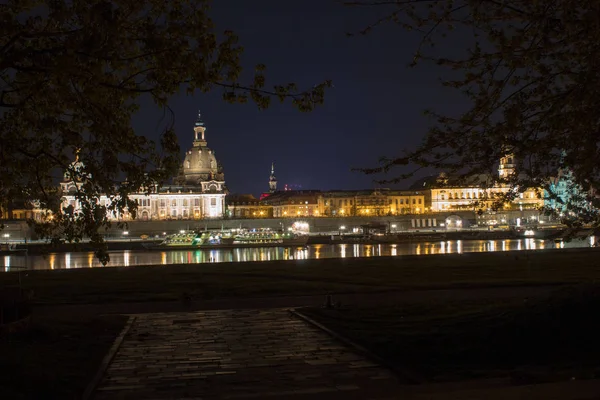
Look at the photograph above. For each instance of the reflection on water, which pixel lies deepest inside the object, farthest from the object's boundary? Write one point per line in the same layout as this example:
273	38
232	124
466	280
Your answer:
131	258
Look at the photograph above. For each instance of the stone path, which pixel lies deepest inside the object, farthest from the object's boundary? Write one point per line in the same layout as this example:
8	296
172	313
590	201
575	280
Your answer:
226	354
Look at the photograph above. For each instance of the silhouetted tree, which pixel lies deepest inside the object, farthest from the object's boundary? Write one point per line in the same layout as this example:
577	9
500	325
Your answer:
71	75
529	74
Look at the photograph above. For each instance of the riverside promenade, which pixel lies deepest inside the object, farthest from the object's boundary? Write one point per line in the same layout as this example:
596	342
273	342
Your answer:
265	351
237	354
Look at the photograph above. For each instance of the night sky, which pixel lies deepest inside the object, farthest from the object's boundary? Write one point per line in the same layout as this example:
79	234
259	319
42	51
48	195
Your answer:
374	109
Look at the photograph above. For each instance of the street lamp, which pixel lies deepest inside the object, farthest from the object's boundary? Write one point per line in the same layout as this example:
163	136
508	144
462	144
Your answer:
341	229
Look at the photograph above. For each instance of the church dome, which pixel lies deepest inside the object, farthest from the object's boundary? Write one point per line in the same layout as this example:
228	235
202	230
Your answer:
200	163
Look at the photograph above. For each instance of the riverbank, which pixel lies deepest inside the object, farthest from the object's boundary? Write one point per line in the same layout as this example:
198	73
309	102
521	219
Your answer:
37	248
67	302
307	277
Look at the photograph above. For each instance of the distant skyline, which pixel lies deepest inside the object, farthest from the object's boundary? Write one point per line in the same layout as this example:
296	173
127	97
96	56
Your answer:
374	109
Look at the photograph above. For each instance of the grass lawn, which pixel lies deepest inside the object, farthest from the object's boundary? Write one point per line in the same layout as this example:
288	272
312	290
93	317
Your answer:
279	278
57	357
529	342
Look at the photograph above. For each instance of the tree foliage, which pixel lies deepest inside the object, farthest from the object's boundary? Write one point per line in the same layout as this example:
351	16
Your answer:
71	75
529	75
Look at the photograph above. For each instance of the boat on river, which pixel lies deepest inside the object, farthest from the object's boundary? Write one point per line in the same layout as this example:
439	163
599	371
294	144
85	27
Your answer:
537	233
191	240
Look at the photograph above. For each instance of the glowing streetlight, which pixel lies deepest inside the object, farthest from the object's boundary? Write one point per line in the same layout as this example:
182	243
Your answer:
125	233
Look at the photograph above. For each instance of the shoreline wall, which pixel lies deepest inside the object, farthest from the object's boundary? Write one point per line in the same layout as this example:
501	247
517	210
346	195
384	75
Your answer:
20	231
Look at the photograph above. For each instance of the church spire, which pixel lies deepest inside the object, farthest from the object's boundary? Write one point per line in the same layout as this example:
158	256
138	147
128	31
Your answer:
199	121
199	129
507	165
272	179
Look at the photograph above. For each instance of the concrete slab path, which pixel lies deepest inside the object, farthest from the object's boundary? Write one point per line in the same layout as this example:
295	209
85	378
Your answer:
227	354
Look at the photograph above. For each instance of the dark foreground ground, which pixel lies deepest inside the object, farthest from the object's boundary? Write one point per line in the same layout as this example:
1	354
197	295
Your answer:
305	277
442	318
522	340
57	357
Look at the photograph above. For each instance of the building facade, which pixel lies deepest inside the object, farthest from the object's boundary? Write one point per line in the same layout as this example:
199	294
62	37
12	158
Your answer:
247	206
197	192
23	210
379	202
294	203
446	197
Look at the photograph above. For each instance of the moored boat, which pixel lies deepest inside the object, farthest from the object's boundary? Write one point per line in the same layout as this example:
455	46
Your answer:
227	239
536	233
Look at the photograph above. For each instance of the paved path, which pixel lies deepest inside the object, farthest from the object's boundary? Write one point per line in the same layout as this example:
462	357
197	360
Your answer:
237	354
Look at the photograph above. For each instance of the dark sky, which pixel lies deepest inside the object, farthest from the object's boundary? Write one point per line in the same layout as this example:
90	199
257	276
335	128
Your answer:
374	109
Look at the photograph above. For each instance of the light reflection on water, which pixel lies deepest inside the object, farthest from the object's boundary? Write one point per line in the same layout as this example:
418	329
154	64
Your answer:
131	258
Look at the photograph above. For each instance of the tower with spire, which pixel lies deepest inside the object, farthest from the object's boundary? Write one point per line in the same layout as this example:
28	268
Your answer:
507	166
272	179
199	130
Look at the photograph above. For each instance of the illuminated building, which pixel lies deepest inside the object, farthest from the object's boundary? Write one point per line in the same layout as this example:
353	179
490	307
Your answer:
246	206
272	184
379	202
197	192
23	210
272	180
294	203
445	196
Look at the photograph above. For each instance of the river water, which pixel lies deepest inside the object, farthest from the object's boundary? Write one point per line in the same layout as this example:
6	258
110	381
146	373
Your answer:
138	257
